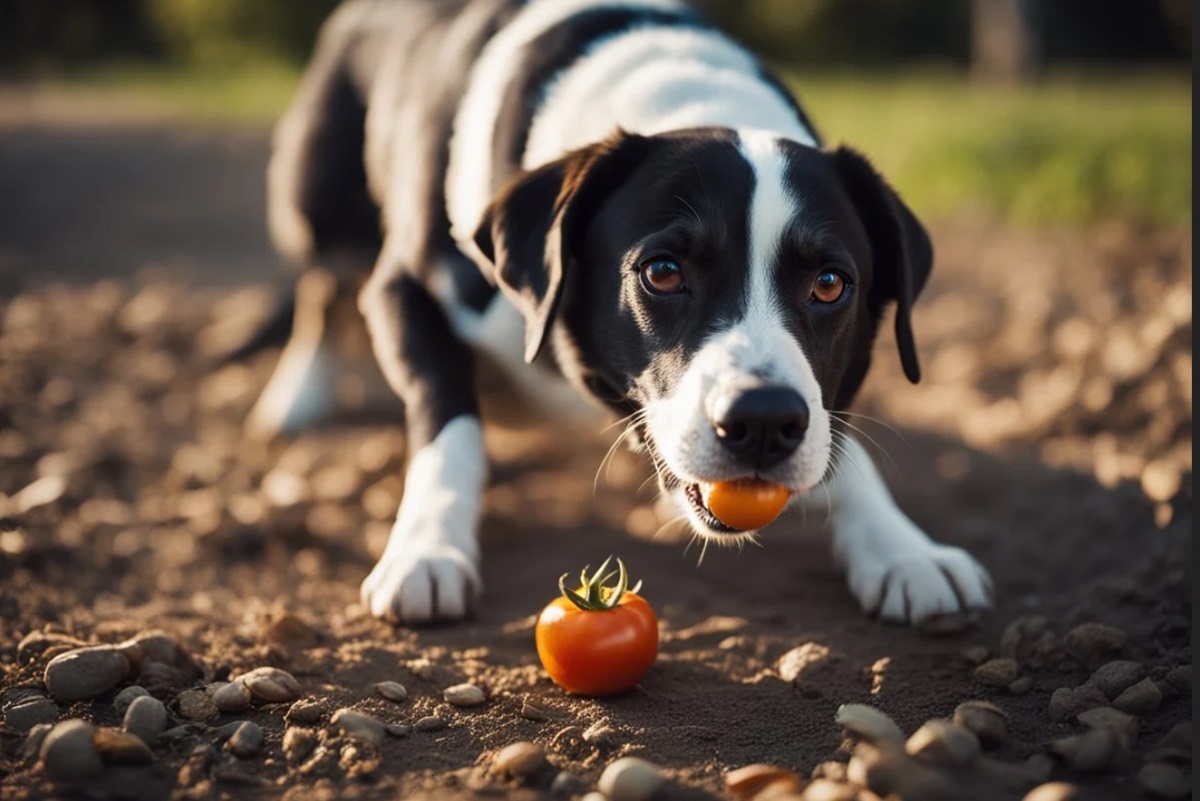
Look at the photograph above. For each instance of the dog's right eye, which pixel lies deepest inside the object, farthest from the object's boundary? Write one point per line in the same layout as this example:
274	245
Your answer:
662	277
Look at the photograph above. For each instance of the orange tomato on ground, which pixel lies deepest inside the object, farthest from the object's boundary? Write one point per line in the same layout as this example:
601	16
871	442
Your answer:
598	640
747	505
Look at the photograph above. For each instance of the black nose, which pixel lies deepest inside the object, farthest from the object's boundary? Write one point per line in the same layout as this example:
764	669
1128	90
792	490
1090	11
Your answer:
761	426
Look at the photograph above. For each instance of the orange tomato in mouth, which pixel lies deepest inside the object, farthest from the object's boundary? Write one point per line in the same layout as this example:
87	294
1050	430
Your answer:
598	640
747	505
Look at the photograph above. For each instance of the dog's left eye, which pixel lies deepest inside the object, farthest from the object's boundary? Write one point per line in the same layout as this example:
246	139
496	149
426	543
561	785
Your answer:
829	287
662	277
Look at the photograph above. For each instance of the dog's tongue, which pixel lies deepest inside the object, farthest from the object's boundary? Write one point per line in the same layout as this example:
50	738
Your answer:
746	504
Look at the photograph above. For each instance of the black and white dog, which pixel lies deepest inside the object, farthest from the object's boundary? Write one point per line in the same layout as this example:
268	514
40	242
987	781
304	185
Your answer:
618	208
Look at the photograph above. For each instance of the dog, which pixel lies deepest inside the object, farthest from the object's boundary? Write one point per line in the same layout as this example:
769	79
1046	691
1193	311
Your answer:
622	211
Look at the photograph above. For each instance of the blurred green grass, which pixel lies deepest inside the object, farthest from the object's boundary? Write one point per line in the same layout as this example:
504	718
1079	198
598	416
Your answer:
1069	150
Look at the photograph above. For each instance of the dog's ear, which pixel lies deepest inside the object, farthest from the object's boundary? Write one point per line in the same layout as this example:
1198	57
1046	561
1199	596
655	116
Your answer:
529	229
902	252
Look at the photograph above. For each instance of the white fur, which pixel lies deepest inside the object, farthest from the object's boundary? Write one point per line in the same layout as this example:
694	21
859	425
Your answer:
469	175
430	566
892	567
756	346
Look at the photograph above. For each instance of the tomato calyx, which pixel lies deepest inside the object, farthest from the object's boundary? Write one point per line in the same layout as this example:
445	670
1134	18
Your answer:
593	594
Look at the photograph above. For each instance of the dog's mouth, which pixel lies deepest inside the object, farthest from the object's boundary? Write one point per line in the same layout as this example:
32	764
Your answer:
695	497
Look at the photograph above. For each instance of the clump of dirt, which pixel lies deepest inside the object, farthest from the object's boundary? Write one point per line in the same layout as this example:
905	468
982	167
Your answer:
1051	439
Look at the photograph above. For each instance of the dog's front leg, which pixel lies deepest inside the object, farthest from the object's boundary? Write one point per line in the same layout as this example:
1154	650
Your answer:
430	567
894	569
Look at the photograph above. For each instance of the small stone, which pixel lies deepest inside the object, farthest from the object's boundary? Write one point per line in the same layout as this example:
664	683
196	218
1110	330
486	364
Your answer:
196	705
940	742
987	721
430	723
304	713
748	782
531	711
1094	641
600	734
270	685
976	654
1040	765
999	672
1161	780
630	779
568	785
226	731
1180	736
360	727
121	748
298	743
519	760
33	741
464	695
26	713
826	790
1092	751
232	697
1140	699
886	769
1026	639
35	644
68	753
424	669
831	769
1066	703
246	741
392	690
127	696
1124	726
1021	686
85	673
795	662
146	718
1113	678
1181	679
290	633
1053	791
868	723
399	729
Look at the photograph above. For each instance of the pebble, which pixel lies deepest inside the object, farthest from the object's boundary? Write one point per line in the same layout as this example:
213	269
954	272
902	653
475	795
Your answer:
127	696
747	782
1040	765
270	685
600	734
247	740
304	712
1053	791
298	743
887	770
1161	780
1094	641
68	753
568	785
121	748
1140	699
795	662
1066	703
196	705
1026	637
831	769
392	690
36	643
85	673
24	714
941	742
630	779
1119	723
430	723
146	718
1021	686
987	721
868	723
33	741
531	711
359	727
1089	752
1113	678
826	790
1181	679
464	695
519	760
999	672
290	633
976	654
399	729
232	697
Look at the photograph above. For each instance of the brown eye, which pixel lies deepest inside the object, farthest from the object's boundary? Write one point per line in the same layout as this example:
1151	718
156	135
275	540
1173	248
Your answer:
662	277
829	287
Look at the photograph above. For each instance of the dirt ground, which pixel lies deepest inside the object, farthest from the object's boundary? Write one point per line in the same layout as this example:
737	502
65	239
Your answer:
1051	438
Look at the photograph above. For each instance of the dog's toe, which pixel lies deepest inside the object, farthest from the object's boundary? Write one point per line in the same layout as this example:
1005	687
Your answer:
419	587
921	586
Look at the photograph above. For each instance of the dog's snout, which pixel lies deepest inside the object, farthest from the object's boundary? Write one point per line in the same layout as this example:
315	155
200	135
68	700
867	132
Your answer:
761	426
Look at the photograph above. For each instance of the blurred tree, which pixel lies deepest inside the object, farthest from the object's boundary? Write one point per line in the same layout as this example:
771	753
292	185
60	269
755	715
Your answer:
1006	40
238	31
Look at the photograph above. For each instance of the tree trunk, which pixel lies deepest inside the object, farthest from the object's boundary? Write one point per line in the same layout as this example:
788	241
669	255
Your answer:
1005	40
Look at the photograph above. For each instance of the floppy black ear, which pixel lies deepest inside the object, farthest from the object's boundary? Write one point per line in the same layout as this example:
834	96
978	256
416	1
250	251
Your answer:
901	249
528	231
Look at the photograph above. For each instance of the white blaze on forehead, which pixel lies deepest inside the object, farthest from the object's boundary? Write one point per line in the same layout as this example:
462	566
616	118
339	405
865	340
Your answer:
772	209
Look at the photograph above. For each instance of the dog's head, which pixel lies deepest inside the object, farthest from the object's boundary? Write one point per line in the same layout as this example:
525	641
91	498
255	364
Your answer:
723	286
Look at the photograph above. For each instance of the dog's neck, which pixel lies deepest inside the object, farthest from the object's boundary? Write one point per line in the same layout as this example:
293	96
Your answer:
655	76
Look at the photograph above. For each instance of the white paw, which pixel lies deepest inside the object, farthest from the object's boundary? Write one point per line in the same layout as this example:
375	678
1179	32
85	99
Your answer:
418	583
923	583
